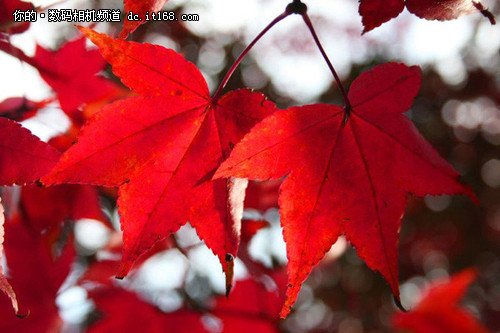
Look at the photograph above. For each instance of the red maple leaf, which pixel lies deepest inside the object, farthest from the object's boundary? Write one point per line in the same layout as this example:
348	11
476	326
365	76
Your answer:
35	276
376	12
139	7
162	149
71	72
23	157
347	172
439	311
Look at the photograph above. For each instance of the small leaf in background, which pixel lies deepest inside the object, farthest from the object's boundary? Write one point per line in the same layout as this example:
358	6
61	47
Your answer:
20	108
72	72
439	310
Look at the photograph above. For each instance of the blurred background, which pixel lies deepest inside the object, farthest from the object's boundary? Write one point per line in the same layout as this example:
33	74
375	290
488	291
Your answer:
457	110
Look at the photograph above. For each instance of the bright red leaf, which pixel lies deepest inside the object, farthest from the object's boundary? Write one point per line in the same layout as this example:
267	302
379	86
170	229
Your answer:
376	12
162	149
23	157
439	311
139	7
71	72
346	173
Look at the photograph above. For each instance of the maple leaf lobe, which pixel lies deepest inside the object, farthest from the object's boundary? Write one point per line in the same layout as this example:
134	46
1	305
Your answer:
139	7
151	70
375	12
24	158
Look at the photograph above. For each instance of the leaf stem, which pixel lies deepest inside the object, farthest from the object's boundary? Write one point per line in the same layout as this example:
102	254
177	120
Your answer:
231	70
307	21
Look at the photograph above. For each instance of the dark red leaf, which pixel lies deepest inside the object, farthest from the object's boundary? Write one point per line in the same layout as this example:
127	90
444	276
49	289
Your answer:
7	8
376	12
20	108
440	9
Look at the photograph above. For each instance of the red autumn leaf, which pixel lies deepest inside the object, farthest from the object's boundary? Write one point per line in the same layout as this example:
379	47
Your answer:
71	72
139	7
4	283
23	157
439	311
346	173
376	12
162	149
36	277
7	8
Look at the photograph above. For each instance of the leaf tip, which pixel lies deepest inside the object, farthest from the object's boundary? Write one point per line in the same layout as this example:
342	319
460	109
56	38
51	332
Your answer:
229	259
23	316
123	270
397	301
285	311
123	34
